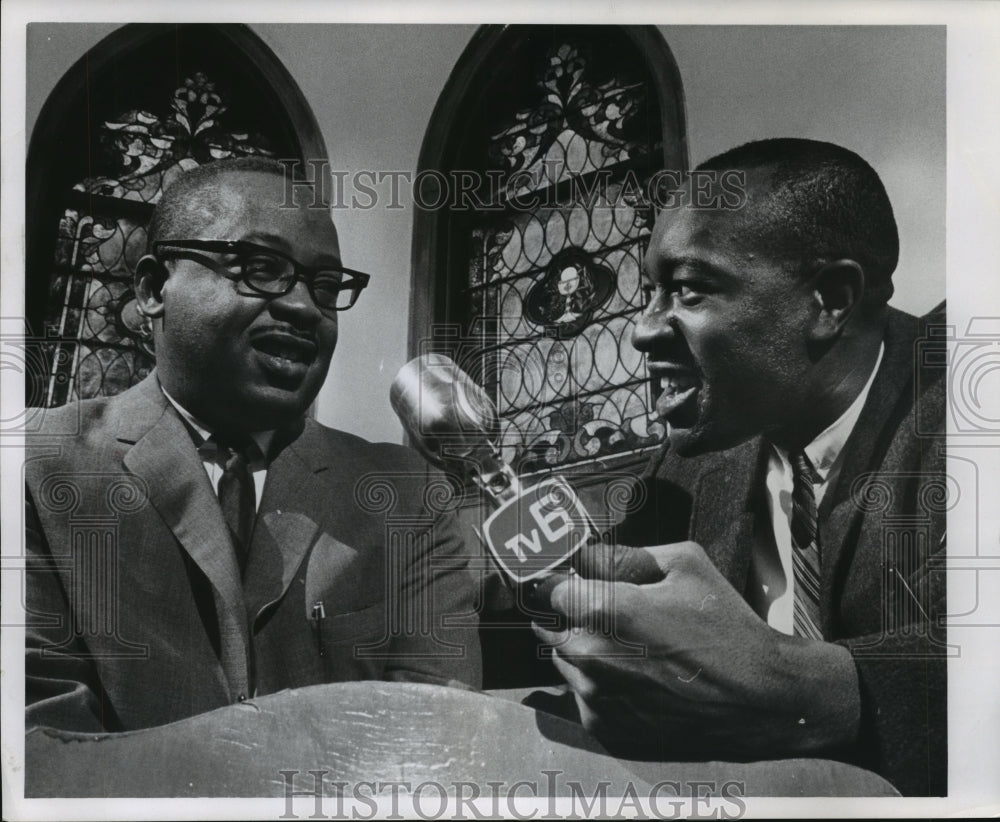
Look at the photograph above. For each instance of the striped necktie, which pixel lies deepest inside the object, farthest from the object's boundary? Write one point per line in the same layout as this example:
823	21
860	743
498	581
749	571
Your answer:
805	548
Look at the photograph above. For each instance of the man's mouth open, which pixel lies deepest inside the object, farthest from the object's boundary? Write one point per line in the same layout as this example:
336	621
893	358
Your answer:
677	402
284	356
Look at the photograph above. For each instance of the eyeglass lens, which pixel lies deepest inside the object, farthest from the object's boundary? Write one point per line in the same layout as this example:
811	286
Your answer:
273	275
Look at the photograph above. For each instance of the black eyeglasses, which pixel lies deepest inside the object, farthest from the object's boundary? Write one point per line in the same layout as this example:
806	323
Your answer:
271	273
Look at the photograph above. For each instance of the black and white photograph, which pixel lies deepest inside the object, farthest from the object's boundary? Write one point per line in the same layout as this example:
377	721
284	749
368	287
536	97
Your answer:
454	411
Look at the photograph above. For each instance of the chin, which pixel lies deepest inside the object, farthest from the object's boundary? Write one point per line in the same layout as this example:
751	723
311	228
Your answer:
686	443
701	439
274	408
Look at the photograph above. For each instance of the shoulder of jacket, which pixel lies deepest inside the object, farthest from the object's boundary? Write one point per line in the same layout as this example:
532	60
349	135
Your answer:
376	454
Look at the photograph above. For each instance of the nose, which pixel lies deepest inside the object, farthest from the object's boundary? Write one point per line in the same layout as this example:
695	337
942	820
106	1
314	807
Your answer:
655	324
297	307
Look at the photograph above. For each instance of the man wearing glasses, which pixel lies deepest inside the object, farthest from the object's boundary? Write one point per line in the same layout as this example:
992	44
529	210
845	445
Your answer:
244	558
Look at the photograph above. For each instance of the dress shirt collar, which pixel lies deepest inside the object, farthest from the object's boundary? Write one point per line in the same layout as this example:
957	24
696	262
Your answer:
261	438
828	445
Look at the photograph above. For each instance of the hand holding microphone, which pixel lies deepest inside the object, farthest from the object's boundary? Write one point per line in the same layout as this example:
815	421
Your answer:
647	637
535	531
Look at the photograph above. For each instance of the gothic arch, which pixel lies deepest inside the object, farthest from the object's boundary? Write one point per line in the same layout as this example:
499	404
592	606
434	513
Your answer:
612	62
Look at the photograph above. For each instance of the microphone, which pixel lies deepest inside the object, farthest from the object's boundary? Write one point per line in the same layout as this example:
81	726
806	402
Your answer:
533	532
453	422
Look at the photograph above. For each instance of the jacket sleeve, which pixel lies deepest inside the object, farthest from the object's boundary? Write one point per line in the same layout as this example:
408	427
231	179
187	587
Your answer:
902	679
902	669
62	686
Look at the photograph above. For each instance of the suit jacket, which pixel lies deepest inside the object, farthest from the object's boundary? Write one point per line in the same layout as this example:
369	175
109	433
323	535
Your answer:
881	533
138	614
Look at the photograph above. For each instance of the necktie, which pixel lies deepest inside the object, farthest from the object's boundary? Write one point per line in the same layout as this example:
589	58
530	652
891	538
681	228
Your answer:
805	548
236	495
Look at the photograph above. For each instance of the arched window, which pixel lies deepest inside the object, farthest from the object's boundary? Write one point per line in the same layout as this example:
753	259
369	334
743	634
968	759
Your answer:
550	135
146	103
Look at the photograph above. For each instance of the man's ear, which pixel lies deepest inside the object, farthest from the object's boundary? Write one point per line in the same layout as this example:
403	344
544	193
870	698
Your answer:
150	274
838	288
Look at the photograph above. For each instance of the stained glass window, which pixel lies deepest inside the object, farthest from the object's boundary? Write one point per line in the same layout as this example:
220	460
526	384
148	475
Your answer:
552	283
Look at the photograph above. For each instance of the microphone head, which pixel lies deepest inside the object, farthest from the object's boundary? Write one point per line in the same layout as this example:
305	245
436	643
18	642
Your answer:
448	417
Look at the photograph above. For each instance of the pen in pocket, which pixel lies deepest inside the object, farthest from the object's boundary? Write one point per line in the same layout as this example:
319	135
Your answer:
319	614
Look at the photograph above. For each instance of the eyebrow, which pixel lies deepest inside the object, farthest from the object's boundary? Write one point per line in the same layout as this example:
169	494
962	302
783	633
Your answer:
267	237
667	268
285	246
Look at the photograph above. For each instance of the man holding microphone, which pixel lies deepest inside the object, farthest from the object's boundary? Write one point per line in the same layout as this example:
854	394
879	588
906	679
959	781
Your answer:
777	617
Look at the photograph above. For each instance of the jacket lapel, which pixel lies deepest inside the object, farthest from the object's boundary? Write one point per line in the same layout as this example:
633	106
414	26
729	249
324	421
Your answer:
163	454
303	499
724	518
283	531
891	392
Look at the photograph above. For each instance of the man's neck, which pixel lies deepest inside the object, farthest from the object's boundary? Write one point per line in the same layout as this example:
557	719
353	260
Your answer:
262	438
828	428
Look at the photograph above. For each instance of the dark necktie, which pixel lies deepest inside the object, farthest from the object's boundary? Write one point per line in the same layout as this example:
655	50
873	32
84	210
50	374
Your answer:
805	548
236	495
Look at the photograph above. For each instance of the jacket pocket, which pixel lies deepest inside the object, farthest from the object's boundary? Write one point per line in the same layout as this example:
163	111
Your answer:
364	625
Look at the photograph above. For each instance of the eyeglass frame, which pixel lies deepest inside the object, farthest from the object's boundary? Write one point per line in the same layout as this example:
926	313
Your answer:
299	271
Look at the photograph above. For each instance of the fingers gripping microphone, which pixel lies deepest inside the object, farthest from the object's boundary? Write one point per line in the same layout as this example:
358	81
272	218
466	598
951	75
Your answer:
453	422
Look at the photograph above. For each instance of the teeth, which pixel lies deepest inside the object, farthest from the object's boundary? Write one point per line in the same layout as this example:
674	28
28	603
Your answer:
287	353
283	351
677	388
673	398
673	383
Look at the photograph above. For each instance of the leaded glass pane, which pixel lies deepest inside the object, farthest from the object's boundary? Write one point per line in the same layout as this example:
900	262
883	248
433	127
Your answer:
578	125
95	257
553	289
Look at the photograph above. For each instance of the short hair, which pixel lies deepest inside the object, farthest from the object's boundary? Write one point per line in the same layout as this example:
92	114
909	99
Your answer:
824	202
185	201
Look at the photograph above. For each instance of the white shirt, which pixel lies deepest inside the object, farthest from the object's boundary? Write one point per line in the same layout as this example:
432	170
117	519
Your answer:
771	586
209	456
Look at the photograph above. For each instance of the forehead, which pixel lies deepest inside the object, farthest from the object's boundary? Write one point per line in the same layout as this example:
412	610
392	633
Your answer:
686	233
719	234
251	203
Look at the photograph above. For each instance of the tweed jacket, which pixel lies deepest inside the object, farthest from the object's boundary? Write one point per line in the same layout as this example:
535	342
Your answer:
138	615
881	534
